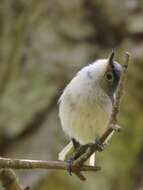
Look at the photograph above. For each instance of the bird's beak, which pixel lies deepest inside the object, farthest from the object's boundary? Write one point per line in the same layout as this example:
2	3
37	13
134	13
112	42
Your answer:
111	58
110	61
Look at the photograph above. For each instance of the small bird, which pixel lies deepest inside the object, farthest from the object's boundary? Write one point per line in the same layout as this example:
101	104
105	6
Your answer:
86	104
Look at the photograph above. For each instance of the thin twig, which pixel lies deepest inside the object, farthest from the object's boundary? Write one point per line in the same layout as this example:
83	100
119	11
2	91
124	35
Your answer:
112	122
39	164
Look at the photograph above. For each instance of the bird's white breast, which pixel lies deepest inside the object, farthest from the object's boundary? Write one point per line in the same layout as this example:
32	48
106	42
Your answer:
84	110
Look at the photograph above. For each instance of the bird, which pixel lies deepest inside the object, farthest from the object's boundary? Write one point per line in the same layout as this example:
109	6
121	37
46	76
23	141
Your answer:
85	105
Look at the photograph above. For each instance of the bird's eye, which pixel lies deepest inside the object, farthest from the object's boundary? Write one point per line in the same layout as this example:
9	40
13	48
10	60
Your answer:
109	76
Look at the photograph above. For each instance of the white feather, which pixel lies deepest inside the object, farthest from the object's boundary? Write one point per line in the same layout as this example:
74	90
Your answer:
84	107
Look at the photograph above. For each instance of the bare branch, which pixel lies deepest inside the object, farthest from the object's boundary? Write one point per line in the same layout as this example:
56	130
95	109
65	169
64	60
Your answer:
39	164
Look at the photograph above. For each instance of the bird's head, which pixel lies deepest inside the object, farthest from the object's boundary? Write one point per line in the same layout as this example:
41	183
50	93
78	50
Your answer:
104	73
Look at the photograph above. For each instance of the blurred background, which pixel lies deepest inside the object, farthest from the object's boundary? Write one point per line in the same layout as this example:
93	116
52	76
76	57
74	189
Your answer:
42	45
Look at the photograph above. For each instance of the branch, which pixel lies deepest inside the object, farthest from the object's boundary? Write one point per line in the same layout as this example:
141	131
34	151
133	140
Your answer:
9	180
40	164
112	125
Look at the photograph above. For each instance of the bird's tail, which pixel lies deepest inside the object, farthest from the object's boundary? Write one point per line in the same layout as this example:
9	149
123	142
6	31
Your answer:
69	150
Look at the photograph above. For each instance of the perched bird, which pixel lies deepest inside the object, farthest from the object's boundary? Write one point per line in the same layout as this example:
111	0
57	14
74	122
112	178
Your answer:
86	104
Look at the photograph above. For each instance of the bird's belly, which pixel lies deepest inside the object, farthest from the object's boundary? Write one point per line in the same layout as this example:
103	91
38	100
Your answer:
85	123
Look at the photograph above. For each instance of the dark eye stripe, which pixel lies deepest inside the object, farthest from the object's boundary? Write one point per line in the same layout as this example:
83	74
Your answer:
116	72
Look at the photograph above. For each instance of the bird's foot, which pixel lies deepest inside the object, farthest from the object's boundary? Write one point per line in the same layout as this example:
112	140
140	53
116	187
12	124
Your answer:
69	165
79	151
100	146
76	144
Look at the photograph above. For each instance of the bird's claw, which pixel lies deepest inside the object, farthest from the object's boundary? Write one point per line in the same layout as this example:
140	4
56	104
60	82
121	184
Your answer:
69	165
100	146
